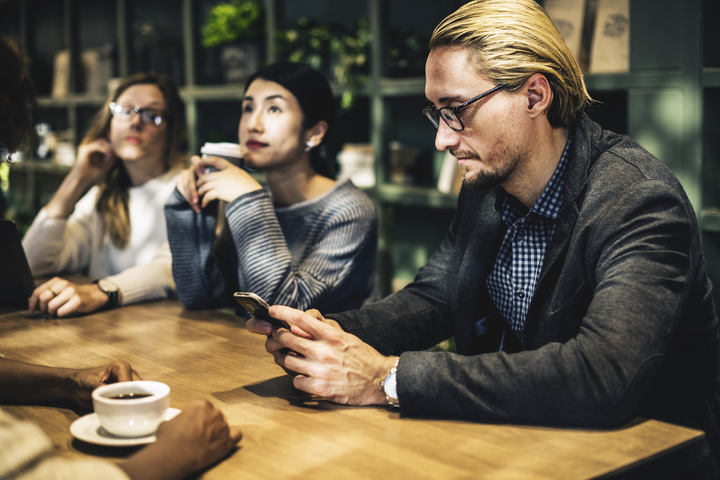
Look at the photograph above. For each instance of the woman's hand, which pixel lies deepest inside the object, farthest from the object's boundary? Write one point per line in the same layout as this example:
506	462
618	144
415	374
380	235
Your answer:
224	182
61	297
94	160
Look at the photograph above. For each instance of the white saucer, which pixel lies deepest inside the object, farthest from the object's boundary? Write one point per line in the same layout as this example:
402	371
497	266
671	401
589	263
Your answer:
87	428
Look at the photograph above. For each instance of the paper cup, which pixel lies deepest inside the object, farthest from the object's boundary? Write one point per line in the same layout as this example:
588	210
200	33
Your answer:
228	151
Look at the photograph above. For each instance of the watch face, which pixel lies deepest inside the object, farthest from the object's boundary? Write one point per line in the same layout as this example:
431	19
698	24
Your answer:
390	386
107	286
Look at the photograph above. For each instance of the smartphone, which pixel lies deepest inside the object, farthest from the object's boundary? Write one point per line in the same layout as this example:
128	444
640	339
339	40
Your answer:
258	308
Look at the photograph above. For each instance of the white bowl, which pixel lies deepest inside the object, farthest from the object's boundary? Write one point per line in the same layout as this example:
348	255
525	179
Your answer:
135	417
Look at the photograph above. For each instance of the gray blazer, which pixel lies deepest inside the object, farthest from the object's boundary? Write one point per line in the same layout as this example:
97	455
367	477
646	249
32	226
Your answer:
622	324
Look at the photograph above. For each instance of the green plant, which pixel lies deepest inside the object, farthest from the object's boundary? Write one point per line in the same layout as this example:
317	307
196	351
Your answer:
350	53
236	20
332	49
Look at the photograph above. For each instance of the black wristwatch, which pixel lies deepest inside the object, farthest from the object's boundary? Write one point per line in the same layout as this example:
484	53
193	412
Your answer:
111	290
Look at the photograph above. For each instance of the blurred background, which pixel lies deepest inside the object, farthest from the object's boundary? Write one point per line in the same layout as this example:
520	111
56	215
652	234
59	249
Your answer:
654	66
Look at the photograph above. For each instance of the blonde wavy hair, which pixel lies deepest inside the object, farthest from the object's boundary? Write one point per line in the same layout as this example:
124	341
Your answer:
511	40
114	195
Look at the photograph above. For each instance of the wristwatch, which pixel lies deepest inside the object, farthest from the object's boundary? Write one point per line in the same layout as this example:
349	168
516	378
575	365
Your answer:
390	386
111	290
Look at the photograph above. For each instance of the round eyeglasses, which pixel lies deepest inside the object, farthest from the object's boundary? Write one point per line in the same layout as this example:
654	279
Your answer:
126	113
450	114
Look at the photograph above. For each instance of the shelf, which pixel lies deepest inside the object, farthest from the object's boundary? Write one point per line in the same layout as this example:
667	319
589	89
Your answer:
412	196
402	86
597	82
71	101
625	81
710	221
41	166
711	77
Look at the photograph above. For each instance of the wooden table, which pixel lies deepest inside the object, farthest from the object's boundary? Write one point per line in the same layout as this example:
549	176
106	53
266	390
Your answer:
291	435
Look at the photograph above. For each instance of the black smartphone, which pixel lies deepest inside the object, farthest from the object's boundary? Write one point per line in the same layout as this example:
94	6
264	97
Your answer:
258	308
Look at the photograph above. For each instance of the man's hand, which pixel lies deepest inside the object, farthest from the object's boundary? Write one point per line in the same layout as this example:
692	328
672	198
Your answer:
83	382
277	349
329	362
199	436
61	297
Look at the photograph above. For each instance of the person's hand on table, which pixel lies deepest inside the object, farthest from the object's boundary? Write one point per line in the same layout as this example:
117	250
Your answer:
22	382
84	381
61	297
328	362
199	436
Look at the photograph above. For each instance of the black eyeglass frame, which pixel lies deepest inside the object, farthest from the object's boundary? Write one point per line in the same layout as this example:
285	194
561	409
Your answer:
140	111
435	114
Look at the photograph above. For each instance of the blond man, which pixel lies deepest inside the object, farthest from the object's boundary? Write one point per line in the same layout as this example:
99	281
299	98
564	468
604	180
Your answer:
572	277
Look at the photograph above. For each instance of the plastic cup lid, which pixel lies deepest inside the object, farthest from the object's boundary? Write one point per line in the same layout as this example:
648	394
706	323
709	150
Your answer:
223	149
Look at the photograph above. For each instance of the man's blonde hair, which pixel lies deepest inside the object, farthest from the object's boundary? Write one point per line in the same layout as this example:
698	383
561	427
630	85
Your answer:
509	41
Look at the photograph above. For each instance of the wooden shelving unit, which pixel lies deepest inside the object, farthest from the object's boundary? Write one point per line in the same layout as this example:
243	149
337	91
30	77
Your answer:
667	101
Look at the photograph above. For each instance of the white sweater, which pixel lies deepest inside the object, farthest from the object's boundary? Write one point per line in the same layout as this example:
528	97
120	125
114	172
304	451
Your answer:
142	270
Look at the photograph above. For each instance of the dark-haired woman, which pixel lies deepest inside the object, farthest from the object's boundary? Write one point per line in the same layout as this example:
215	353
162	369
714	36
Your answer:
302	240
116	232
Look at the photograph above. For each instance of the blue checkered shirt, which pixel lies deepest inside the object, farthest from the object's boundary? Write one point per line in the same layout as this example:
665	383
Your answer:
512	282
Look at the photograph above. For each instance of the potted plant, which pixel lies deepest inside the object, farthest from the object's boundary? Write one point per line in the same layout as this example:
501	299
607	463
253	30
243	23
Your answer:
236	27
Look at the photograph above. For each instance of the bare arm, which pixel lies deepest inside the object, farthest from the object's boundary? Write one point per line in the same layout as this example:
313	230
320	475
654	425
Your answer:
26	383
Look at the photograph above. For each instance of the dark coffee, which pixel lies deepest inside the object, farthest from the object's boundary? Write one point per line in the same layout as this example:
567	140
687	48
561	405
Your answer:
131	396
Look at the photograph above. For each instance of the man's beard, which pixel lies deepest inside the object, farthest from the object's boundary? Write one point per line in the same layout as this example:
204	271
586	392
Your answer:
486	180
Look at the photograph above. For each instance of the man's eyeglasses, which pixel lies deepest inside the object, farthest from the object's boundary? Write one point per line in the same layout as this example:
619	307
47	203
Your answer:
450	114
126	113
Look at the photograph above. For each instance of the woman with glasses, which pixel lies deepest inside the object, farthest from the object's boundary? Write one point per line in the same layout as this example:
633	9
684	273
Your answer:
129	160
302	239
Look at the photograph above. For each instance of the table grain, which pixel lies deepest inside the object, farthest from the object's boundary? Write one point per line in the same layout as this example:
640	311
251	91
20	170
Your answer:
292	435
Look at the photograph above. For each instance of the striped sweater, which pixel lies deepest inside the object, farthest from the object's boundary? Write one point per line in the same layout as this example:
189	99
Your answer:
320	253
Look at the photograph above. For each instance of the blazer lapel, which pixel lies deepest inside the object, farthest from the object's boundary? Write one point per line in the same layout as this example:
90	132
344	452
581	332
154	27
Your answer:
480	251
580	161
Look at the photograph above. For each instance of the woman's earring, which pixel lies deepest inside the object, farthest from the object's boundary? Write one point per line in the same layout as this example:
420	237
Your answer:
309	146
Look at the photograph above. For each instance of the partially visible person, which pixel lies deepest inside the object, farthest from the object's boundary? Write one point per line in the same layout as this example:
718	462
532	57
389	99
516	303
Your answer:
116	232
196	438
17	96
304	239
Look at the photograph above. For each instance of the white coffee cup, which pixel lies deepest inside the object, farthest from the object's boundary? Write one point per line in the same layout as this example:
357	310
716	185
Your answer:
131	416
228	151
